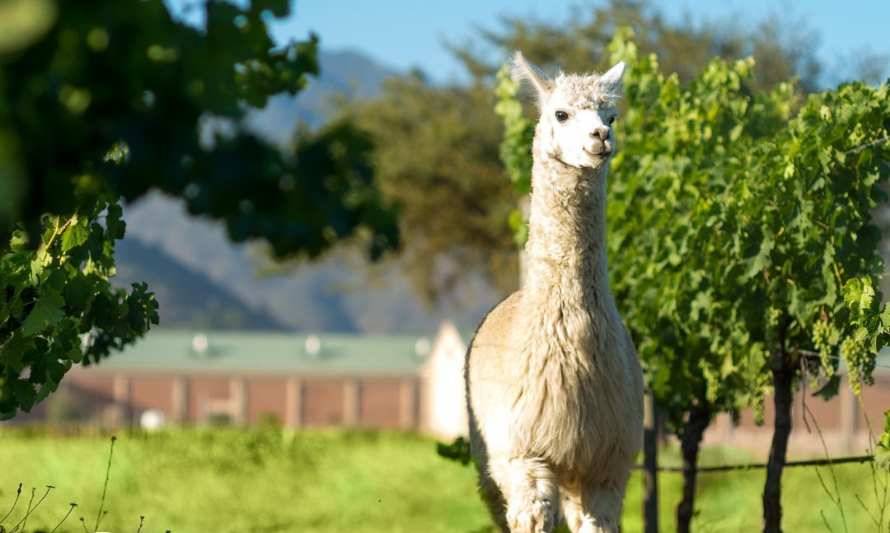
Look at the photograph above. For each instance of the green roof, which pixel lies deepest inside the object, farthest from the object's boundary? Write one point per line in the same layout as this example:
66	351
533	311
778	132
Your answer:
268	353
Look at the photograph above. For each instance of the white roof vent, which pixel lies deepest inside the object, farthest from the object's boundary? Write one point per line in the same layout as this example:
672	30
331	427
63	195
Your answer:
422	347
152	420
200	344
312	346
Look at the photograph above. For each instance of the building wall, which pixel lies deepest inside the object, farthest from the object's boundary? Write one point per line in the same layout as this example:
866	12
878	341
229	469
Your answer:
843	422
207	397
376	401
152	392
432	402
323	403
297	401
266	400
444	406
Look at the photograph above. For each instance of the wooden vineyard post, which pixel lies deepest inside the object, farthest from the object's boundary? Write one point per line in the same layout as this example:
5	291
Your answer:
650	465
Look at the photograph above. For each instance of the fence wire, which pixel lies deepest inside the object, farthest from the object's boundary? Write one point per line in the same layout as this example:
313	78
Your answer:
757	466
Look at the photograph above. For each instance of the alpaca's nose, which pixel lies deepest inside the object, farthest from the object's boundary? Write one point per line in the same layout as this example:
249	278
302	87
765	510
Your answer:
600	132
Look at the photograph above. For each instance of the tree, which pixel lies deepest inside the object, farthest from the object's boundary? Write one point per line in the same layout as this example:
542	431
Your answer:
580	43
684	247
421	170
669	135
799	254
114	99
762	260
436	157
699	363
58	308
171	98
677	142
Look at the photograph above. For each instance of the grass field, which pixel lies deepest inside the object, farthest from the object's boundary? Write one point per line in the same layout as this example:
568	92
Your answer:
228	480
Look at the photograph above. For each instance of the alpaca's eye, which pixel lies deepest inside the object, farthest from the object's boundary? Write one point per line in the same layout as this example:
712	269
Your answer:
611	120
562	116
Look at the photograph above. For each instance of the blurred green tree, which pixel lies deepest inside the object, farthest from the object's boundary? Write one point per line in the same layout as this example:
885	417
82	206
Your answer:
678	149
101	102
437	144
741	246
168	99
784	49
792	250
436	157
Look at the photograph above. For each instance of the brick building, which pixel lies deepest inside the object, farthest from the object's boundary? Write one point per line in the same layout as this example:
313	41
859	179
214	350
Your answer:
843	421
365	381
244	378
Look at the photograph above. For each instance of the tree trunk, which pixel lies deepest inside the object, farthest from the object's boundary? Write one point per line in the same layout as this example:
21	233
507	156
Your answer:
783	376
650	465
690	444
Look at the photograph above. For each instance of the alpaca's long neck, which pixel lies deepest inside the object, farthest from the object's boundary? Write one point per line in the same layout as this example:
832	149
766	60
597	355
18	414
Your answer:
566	248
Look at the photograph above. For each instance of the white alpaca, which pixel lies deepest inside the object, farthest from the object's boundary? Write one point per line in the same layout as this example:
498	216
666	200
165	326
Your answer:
553	382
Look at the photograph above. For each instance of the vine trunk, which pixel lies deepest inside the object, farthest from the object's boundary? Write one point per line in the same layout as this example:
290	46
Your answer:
690	445
782	375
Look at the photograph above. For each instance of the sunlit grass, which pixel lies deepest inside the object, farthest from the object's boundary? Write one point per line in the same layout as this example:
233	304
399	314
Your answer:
230	480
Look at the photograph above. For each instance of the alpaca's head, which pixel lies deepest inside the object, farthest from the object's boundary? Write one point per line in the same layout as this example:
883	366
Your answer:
577	113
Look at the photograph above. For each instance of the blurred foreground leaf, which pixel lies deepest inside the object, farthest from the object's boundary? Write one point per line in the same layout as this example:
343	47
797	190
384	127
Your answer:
22	22
102	102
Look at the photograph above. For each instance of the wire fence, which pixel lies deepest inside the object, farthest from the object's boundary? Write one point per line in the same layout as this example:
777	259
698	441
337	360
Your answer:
459	450
756	466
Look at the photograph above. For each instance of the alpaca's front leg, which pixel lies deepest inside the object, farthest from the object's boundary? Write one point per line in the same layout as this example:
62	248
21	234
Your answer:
596	510
531	493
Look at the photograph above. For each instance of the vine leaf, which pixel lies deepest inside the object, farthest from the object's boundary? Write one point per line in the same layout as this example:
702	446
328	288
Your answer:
76	234
47	312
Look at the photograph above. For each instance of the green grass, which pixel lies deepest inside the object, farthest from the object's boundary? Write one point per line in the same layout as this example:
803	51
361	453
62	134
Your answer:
229	480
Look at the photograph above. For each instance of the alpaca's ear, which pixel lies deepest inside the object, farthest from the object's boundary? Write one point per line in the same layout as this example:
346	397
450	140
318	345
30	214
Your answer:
611	82
523	70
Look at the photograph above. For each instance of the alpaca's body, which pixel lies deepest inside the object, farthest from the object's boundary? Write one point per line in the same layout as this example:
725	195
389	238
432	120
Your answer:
553	383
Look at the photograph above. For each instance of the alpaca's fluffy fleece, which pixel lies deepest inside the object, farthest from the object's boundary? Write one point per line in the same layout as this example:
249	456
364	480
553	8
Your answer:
554	386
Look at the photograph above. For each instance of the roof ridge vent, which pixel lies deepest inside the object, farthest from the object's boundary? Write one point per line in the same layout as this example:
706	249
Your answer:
200	343
422	347
312	346
201	347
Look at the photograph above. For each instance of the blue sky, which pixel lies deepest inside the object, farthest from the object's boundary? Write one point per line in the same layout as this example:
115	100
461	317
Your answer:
410	33
407	33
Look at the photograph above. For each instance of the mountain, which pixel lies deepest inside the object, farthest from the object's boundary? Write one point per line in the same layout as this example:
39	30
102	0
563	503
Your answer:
187	297
341	292
197	245
344	74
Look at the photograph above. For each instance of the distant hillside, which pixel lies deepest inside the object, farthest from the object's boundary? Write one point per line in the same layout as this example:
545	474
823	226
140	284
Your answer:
187	298
343	74
334	294
160	223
